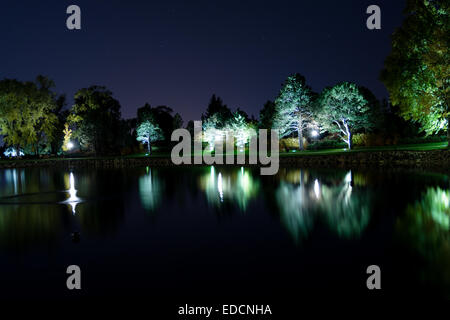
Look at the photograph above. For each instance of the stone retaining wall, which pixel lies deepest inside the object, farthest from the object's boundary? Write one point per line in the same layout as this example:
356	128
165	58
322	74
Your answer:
435	158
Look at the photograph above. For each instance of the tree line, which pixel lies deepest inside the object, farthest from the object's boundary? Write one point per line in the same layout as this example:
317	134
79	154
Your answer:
35	120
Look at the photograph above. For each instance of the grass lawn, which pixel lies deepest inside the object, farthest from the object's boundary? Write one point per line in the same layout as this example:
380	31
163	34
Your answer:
410	147
166	154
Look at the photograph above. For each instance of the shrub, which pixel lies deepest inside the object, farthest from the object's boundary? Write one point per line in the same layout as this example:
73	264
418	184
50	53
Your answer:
429	139
327	144
287	144
359	139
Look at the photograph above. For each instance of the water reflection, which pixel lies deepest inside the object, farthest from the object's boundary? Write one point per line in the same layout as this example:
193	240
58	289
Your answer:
73	200
426	225
150	190
14	179
304	199
235	186
296	205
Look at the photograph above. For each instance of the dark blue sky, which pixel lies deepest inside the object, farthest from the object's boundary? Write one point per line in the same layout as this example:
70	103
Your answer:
178	53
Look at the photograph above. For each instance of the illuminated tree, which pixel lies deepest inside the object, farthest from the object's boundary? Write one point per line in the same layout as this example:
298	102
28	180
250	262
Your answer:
219	110
96	119
344	109
294	108
211	132
241	130
67	135
26	109
147	132
416	73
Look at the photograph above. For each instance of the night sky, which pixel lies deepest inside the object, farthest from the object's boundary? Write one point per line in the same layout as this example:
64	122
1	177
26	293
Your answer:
178	53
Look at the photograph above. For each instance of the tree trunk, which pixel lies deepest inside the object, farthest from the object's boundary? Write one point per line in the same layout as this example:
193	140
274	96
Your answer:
448	131
349	141
149	147
300	134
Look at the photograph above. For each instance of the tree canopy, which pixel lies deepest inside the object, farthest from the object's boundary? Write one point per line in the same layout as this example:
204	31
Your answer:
147	132
218	109
28	113
344	109
294	107
416	73
96	118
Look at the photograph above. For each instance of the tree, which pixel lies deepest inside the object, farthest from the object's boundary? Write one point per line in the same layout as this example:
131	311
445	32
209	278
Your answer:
211	131
177	121
294	108
221	111
416	73
147	132
27	113
241	129
162	115
67	135
343	109
267	115
96	118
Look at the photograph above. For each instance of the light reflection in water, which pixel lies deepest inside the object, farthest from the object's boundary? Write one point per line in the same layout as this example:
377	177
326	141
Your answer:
345	210
236	186
15	178
73	199
150	190
426	225
220	187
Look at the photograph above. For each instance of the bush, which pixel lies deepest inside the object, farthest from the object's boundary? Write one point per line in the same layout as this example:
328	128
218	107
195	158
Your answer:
429	139
360	139
374	140
287	144
327	144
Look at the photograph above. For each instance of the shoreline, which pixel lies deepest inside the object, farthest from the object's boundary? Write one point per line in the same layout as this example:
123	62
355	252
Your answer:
408	159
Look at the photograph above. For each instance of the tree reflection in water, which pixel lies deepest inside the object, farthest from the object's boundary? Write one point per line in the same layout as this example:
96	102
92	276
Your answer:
237	187
426	226
150	190
345	208
297	206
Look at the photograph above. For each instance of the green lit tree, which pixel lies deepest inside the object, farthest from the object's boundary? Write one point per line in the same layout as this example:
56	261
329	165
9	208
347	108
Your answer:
241	130
416	73
294	108
218	109
27	113
343	109
211	131
148	132
95	117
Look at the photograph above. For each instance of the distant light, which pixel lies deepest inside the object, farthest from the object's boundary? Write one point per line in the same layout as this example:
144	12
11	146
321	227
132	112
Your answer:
220	186
69	145
314	133
317	188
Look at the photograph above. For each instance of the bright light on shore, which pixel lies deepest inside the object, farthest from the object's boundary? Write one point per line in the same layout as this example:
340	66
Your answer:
69	145
314	133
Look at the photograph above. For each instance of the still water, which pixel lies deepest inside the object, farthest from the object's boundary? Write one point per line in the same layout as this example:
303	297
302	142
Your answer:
216	233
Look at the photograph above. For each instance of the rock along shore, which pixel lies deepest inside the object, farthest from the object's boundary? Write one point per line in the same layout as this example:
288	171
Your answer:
412	159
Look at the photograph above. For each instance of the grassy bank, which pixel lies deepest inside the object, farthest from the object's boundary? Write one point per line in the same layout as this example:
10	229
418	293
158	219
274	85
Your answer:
166	154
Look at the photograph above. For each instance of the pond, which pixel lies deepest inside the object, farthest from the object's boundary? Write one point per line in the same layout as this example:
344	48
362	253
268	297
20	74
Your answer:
211	233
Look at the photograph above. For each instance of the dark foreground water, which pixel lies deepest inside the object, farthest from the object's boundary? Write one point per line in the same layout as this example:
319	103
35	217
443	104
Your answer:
223	234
